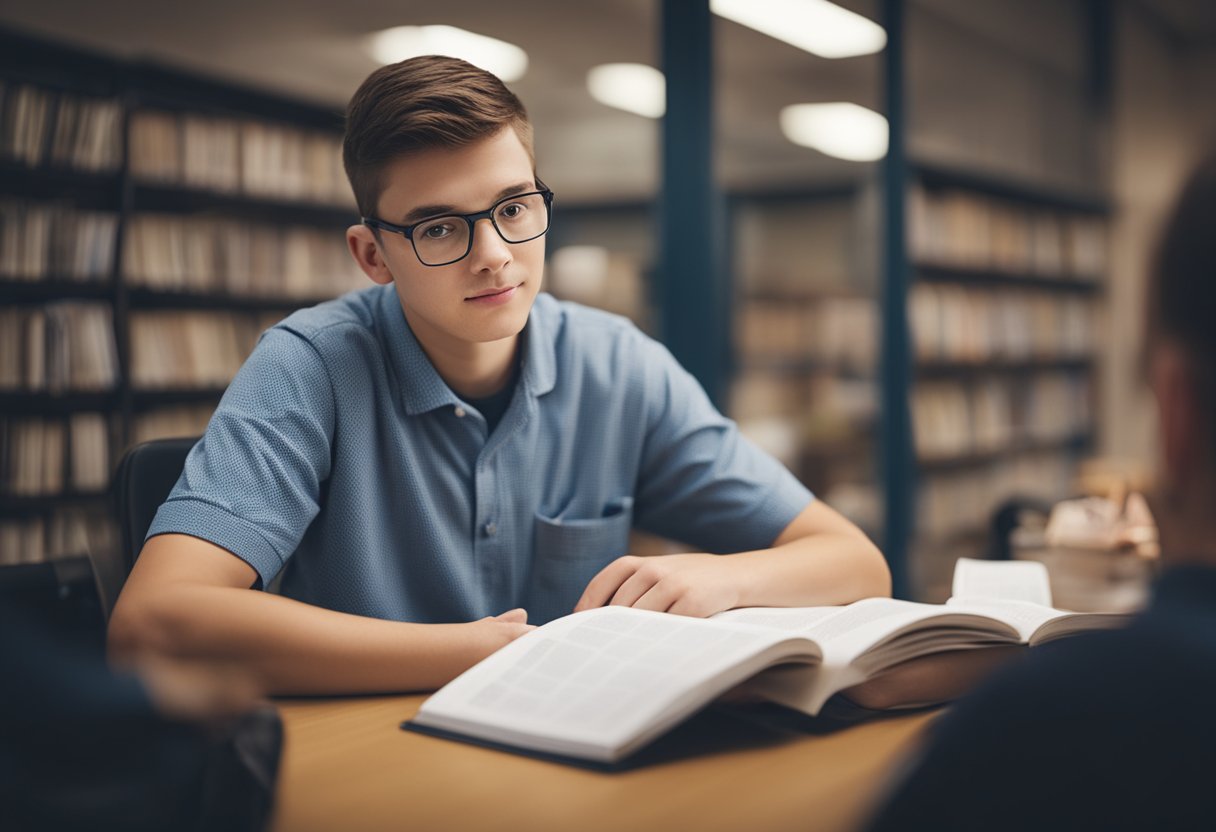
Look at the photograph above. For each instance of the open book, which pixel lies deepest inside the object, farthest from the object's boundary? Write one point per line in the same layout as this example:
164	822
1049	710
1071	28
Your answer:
600	684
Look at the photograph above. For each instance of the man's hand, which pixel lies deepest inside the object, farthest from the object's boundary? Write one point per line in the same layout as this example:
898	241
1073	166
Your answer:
494	632
697	585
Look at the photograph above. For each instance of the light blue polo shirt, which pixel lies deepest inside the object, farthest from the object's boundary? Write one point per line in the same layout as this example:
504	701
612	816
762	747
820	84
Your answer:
339	453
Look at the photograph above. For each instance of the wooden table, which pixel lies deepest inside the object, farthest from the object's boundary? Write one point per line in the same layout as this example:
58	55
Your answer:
347	766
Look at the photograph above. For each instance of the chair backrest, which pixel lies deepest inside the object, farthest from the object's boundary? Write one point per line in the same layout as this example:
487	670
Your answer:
142	483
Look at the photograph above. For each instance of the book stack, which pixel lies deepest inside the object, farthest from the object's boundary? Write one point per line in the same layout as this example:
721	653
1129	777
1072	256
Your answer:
171	422
26	114
960	324
67	532
253	157
47	241
88	134
39	127
40	457
953	418
58	348
594	275
220	256
965	230
192	349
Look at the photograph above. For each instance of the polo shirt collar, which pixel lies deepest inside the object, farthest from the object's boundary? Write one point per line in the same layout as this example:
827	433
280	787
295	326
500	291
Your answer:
422	389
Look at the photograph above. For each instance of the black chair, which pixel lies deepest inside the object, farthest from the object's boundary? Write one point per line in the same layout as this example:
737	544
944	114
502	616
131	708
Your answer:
142	482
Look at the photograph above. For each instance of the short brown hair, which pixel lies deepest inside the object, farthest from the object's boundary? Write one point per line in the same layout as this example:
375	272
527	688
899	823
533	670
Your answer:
1182	286
419	104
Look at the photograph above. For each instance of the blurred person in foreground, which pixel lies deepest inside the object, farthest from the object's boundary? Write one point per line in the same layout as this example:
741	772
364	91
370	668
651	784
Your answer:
160	744
1113	730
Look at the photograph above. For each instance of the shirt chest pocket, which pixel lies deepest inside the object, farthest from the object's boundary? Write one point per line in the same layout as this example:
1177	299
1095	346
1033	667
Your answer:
567	554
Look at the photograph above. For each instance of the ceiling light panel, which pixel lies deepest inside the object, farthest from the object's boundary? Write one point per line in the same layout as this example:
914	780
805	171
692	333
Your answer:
815	26
506	60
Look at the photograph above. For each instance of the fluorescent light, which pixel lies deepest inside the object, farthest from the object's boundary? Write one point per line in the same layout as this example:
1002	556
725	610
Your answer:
506	60
816	26
841	129
637	88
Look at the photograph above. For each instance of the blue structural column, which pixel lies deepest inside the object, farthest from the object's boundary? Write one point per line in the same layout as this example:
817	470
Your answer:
692	289
898	472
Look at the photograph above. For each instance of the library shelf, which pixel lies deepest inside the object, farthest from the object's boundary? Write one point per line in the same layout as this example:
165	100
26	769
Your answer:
1074	443
1014	188
52	288
778	365
40	402
18	505
144	399
938	273
175	199
144	298
1002	367
95	190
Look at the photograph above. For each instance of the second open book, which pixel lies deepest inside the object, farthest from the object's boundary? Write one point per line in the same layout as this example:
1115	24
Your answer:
600	684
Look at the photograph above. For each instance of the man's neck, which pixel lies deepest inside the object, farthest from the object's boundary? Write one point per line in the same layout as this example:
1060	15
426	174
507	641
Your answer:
472	370
1186	525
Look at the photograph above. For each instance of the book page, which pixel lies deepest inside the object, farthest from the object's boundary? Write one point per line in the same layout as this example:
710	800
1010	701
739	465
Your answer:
1004	580
846	632
790	619
1023	616
597	677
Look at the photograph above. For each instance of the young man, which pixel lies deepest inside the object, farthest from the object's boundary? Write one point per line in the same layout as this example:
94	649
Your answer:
1113	731
451	444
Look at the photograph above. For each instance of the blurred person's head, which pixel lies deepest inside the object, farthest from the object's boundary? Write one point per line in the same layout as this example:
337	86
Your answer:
1182	365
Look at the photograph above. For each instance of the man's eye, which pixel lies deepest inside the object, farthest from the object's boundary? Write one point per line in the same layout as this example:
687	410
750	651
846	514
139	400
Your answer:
512	210
437	232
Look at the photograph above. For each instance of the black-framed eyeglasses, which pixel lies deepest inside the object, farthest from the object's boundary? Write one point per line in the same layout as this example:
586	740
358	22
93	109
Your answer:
441	241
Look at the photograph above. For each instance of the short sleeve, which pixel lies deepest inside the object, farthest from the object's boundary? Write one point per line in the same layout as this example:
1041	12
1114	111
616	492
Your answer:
252	484
700	480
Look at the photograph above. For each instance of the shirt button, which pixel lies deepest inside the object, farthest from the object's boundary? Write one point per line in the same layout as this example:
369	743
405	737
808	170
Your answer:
490	528
460	412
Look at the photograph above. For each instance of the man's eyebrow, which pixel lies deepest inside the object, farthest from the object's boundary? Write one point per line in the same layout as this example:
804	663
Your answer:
424	211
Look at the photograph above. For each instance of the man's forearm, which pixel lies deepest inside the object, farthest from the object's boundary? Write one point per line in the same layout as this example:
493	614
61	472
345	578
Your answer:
295	648
817	570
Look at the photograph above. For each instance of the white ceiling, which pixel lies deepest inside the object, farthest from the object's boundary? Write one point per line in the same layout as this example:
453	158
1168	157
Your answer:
314	50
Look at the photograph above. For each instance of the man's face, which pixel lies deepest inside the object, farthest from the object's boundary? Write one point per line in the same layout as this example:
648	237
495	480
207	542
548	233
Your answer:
487	295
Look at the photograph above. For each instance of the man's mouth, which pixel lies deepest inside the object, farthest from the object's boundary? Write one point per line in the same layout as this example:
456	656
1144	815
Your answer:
496	293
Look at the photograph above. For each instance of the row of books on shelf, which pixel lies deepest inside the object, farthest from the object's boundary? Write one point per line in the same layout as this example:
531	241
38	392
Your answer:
229	155
38	126
67	532
963	229
787	416
51	456
45	239
597	276
953	419
192	349
210	255
970	325
58	347
836	332
173	422
962	502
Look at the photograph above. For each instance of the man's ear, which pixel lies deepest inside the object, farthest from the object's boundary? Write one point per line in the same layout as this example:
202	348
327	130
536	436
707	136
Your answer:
1178	407
364	247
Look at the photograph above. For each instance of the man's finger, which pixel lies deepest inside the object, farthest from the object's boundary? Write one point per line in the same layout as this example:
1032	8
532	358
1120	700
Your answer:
606	582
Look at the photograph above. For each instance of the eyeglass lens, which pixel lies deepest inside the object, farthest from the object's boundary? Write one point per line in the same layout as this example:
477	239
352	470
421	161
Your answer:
518	219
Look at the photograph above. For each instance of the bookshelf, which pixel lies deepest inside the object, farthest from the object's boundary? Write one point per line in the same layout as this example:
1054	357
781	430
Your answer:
1005	310
152	224
805	382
